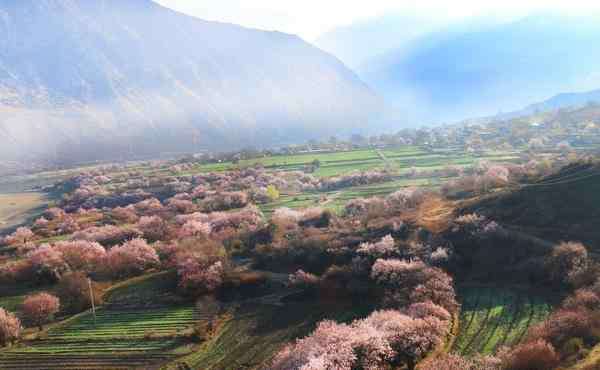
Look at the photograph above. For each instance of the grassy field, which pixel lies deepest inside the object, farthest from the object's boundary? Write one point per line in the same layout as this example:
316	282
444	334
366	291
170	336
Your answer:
493	317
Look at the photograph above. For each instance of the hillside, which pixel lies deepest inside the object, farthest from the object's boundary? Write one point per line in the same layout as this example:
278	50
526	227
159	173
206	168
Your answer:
559	101
561	207
82	81
477	69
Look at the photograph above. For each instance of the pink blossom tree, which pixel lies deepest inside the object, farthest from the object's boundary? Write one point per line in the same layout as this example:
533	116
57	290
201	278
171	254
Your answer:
153	228
193	228
125	214
131	258
567	261
328	347
383	338
383	248
201	265
10	327
81	255
20	236
48	263
303	279
40	308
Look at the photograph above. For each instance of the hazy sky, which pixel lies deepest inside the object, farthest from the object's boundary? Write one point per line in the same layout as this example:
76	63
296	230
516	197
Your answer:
311	18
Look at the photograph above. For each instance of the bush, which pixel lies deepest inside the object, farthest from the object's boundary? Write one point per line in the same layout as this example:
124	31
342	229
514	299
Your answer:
536	355
566	262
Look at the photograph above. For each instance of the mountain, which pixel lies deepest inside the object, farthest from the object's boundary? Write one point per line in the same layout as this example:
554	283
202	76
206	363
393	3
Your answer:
105	79
559	101
477	69
357	43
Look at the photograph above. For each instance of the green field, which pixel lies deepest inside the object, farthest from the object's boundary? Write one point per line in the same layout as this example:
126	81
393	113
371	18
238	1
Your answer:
339	163
493	317
119	338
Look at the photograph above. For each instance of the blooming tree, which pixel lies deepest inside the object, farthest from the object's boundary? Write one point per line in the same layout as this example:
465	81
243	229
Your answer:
81	255
303	279
152	227
20	236
383	248
10	327
193	228
48	263
131	258
40	308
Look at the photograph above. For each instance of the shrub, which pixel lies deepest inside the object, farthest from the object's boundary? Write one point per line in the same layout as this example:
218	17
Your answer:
582	299
40	308
562	325
536	355
10	327
566	261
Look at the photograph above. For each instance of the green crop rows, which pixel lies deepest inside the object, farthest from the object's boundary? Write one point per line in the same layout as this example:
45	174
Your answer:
132	338
493	317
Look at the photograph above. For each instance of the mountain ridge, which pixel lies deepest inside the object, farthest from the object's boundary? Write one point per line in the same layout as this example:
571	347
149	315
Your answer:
89	77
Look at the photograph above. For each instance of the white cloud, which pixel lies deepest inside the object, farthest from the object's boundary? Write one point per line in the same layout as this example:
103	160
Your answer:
311	18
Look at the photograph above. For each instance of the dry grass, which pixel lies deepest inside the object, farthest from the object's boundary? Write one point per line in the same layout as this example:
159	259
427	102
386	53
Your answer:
16	208
435	214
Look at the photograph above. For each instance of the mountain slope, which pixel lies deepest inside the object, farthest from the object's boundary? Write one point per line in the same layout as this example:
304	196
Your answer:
99	79
480	69
564	206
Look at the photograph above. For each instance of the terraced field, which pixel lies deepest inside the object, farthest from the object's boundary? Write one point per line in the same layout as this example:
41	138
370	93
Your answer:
257	331
116	339
493	317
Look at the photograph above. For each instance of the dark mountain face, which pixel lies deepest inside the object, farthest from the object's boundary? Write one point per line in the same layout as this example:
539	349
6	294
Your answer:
101	79
473	70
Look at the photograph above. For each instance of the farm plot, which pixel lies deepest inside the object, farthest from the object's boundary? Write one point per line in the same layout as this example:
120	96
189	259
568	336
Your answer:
116	339
494	317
